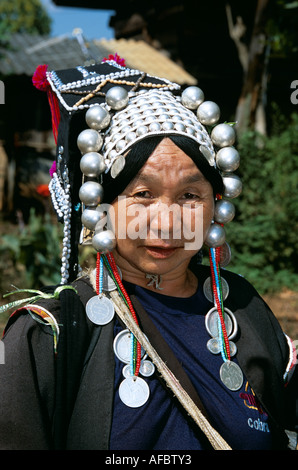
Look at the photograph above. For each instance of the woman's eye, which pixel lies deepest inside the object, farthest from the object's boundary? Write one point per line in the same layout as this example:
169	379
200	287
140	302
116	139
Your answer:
190	196
142	194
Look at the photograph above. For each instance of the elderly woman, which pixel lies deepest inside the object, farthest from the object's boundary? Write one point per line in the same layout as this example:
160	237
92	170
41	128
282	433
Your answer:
152	349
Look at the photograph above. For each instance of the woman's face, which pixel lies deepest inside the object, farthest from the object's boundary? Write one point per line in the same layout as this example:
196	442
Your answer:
162	217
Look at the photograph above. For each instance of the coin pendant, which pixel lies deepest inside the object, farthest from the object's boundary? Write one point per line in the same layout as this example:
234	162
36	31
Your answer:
213	345
225	255
122	346
134	392
231	375
147	368
100	310
126	371
212	320
208	291
108	283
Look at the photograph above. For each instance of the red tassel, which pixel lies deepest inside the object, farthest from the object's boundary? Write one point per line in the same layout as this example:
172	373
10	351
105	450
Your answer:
40	82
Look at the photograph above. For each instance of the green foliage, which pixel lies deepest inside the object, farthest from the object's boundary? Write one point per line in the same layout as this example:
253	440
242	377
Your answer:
23	16
263	236
35	252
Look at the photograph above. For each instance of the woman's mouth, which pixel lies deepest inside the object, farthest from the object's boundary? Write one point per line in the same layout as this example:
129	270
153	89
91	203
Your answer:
160	252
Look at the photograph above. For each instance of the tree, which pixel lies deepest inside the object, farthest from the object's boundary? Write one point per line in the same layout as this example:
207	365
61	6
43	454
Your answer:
23	16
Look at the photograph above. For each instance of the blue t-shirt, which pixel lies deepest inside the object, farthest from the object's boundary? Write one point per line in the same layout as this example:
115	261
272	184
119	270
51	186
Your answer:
162	425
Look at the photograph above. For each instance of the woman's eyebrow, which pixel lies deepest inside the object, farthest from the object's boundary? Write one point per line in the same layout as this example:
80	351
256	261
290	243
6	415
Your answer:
144	178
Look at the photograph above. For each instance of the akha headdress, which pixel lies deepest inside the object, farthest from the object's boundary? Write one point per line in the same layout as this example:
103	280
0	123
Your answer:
102	111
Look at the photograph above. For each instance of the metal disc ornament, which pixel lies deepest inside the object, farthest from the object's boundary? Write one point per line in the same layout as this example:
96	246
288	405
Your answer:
231	375
211	323
117	166
108	283
225	255
208	291
213	345
100	310
134	392
122	346
147	368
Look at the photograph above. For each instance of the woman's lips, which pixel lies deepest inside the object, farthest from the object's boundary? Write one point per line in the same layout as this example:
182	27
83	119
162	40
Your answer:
160	251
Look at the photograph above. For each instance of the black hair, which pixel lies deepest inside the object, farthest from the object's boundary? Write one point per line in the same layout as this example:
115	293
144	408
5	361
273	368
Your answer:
139	154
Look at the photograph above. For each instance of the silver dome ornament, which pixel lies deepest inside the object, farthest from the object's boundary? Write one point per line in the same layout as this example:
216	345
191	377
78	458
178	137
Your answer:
216	236
91	193
104	241
232	185
208	113
192	97
117	98
97	117
89	140
224	211
92	164
91	216
227	159
223	135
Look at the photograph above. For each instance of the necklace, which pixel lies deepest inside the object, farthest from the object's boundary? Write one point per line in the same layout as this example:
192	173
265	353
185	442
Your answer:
222	326
133	390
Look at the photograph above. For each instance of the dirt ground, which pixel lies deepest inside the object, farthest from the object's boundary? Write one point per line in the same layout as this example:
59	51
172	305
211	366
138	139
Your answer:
285	307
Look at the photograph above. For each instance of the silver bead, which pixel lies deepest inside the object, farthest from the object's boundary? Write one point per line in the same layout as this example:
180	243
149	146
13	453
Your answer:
167	126
227	159
104	241
232	185
154	127
91	216
117	97
223	135
224	211
92	164
142	130
89	140
91	193
97	117
216	236
208	113
192	97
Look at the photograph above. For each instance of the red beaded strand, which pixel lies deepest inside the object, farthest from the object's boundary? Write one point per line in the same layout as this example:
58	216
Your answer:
129	303
217	301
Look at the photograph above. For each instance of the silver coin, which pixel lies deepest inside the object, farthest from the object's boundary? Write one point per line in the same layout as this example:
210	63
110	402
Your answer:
212	321
126	371
134	392
147	368
225	255
233	349
100	310
208	291
231	375
122	346
213	345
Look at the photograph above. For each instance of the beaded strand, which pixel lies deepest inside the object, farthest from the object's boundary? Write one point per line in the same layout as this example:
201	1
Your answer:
217	292
136	347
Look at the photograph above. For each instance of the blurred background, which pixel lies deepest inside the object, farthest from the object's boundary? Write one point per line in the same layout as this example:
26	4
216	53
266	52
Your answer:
244	55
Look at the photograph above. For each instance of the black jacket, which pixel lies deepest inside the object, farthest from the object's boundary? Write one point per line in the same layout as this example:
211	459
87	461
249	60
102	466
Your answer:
45	398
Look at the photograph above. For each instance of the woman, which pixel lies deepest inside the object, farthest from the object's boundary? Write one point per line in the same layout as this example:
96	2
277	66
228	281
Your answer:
152	350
